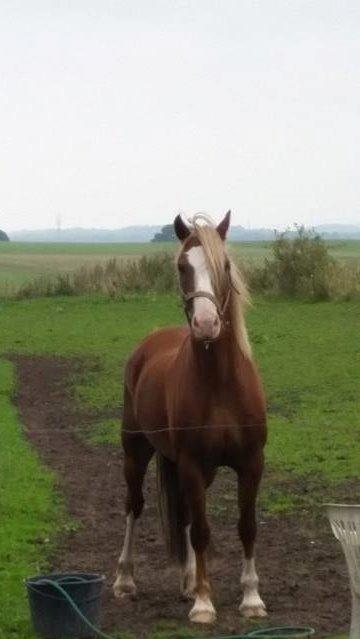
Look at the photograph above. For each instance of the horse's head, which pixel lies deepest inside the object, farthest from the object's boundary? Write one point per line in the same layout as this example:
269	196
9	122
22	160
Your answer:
204	275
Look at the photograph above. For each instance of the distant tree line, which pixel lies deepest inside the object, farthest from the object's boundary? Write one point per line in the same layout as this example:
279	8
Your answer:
240	234
3	236
167	234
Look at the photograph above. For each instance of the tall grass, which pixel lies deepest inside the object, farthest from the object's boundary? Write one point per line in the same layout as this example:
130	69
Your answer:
114	278
299	267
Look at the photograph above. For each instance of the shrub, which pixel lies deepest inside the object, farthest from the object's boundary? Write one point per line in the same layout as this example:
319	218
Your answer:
300	267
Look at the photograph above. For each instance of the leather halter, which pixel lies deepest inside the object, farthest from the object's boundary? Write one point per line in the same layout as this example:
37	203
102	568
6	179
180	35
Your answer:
221	308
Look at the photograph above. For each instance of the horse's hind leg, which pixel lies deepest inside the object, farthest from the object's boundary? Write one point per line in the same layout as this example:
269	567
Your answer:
249	478
138	452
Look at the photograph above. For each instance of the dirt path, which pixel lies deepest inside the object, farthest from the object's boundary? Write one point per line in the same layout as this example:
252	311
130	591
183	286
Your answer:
302	572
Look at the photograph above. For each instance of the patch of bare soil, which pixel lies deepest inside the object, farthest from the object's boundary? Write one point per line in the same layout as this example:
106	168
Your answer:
303	578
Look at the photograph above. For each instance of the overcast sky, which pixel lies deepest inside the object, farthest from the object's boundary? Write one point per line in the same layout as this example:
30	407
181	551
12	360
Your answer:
128	111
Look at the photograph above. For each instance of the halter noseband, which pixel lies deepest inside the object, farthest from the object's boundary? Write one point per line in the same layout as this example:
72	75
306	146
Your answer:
221	308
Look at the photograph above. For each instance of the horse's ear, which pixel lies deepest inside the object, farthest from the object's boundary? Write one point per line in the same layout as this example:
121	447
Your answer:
181	230
223	227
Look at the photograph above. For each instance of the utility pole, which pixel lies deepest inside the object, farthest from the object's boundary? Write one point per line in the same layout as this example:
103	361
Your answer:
58	222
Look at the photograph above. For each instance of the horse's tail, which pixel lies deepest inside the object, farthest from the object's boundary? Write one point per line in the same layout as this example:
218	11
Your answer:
172	508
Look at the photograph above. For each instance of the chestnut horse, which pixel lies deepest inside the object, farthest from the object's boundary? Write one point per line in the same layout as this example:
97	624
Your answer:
193	395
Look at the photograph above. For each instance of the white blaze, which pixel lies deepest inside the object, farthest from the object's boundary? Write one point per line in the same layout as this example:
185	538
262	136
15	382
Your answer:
204	308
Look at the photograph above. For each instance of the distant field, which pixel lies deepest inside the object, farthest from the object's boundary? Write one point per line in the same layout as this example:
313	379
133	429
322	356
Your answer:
23	261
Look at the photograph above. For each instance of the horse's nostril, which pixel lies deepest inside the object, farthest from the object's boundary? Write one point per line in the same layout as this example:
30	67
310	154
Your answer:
208	324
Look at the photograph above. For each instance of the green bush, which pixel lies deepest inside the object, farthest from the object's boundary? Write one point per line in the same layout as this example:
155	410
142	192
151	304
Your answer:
300	267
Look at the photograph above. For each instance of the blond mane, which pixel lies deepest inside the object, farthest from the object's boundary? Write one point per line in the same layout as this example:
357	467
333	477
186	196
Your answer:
215	254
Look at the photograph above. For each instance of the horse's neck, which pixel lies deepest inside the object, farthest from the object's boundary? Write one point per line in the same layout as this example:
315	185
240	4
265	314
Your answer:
217	362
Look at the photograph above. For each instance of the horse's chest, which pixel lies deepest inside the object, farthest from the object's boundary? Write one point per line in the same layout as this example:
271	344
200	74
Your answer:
224	417
223	431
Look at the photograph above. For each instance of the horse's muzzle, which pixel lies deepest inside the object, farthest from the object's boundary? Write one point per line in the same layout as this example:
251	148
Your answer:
206	328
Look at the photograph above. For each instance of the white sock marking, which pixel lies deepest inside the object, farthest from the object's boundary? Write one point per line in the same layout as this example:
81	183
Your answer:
124	583
250	581
126	556
188	580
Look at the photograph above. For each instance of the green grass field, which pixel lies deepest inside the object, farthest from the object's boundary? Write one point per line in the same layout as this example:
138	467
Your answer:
23	261
309	356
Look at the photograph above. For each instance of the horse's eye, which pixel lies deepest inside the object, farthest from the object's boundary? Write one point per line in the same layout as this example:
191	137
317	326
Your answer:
227	265
181	268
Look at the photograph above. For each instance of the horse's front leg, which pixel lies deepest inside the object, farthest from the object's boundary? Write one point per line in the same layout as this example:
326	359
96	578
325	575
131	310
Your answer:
248	482
188	570
194	487
138	453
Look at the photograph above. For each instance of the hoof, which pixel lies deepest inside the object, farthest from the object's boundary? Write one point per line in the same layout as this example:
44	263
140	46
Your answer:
202	612
252	606
251	612
125	587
